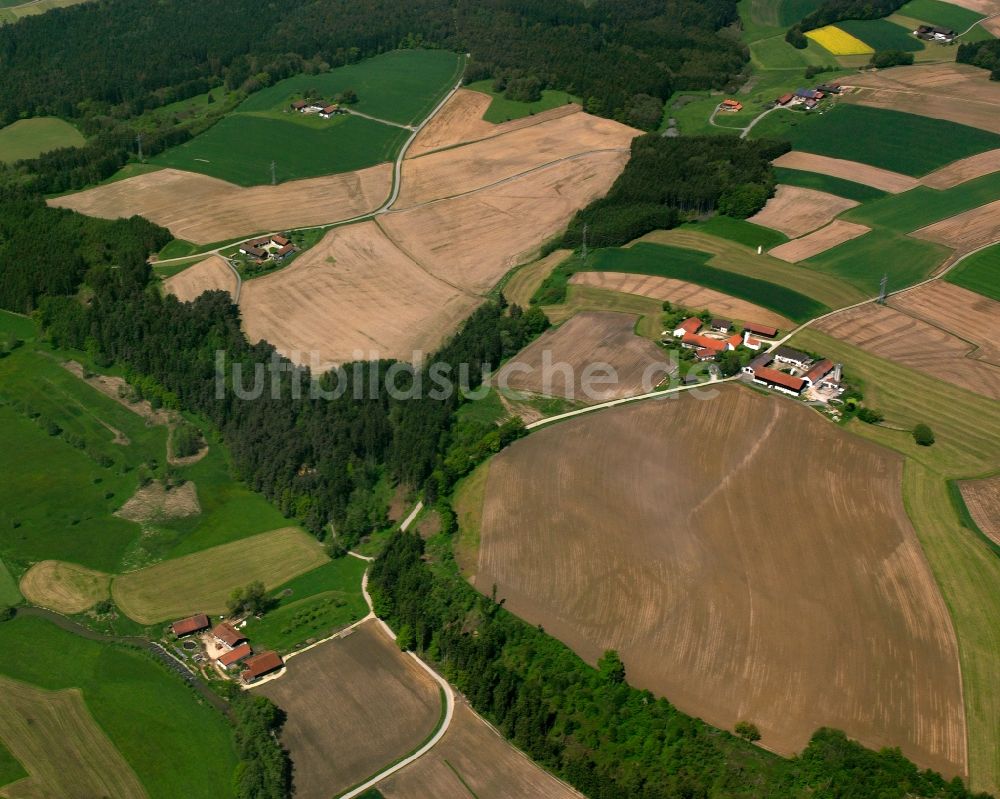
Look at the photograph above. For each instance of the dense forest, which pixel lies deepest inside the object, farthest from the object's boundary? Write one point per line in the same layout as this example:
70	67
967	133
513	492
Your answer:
981	54
831	11
588	725
667	179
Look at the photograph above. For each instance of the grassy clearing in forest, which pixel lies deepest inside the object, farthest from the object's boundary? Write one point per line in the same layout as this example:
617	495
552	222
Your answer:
27	138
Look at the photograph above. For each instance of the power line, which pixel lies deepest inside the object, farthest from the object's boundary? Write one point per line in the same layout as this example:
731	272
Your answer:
274	174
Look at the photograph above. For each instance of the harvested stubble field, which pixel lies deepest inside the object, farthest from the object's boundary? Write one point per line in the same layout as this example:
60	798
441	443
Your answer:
908	341
204	209
473	760
965	231
837	232
682	549
463	169
680	292
883	179
209	275
64	587
982	498
955	92
344	296
523	284
796	211
354	705
975	166
202	582
461	120
64	751
586	344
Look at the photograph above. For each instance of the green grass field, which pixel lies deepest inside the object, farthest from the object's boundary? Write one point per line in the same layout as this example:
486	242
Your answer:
936	12
863	261
13	10
827	183
906	143
312	606
402	86
27	138
966	568
9	595
691	265
150	715
10	769
881	34
979	273
739	230
503	110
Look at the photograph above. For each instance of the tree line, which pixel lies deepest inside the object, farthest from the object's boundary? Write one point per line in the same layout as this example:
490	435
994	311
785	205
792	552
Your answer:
985	55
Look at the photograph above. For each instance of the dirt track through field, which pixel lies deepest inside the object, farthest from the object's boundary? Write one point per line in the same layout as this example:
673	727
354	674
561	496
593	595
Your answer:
982	498
569	362
354	705
965	231
746	558
209	275
795	211
908	341
975	166
837	232
680	292
204	210
66	754
474	760
892	182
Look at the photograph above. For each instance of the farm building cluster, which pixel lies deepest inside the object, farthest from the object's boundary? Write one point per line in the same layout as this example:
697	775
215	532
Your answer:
731	105
935	33
227	649
718	336
320	108
268	248
797	374
807	98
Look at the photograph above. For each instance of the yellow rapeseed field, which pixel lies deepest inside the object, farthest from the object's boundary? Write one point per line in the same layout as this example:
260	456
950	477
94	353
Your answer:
839	42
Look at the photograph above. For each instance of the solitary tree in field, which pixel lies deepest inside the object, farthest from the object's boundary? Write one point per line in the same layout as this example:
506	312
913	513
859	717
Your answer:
923	435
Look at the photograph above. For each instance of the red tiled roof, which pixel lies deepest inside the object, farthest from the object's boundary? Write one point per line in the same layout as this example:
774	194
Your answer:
191	624
735	341
704	342
690	325
259	665
281	241
704	353
329	109
770	375
286	249
228	634
819	371
761	330
236	655
785	98
299	104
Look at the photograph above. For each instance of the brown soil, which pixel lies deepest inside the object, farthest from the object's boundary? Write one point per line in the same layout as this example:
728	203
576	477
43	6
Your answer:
680	292
64	587
111	386
209	275
571	362
982	498
883	179
795	211
965	231
154	502
202	209
975	166
986	7
484	163
354	705
473	760
461	120
908	341
837	232
992	25
956	92
746	558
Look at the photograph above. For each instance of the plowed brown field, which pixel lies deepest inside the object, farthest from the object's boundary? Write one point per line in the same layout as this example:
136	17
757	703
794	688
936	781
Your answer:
912	342
892	182
837	232
569	362
461	120
473	760
682	293
795	211
975	166
747	559
354	705
982	498
484	163
965	231
203	209
208	275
